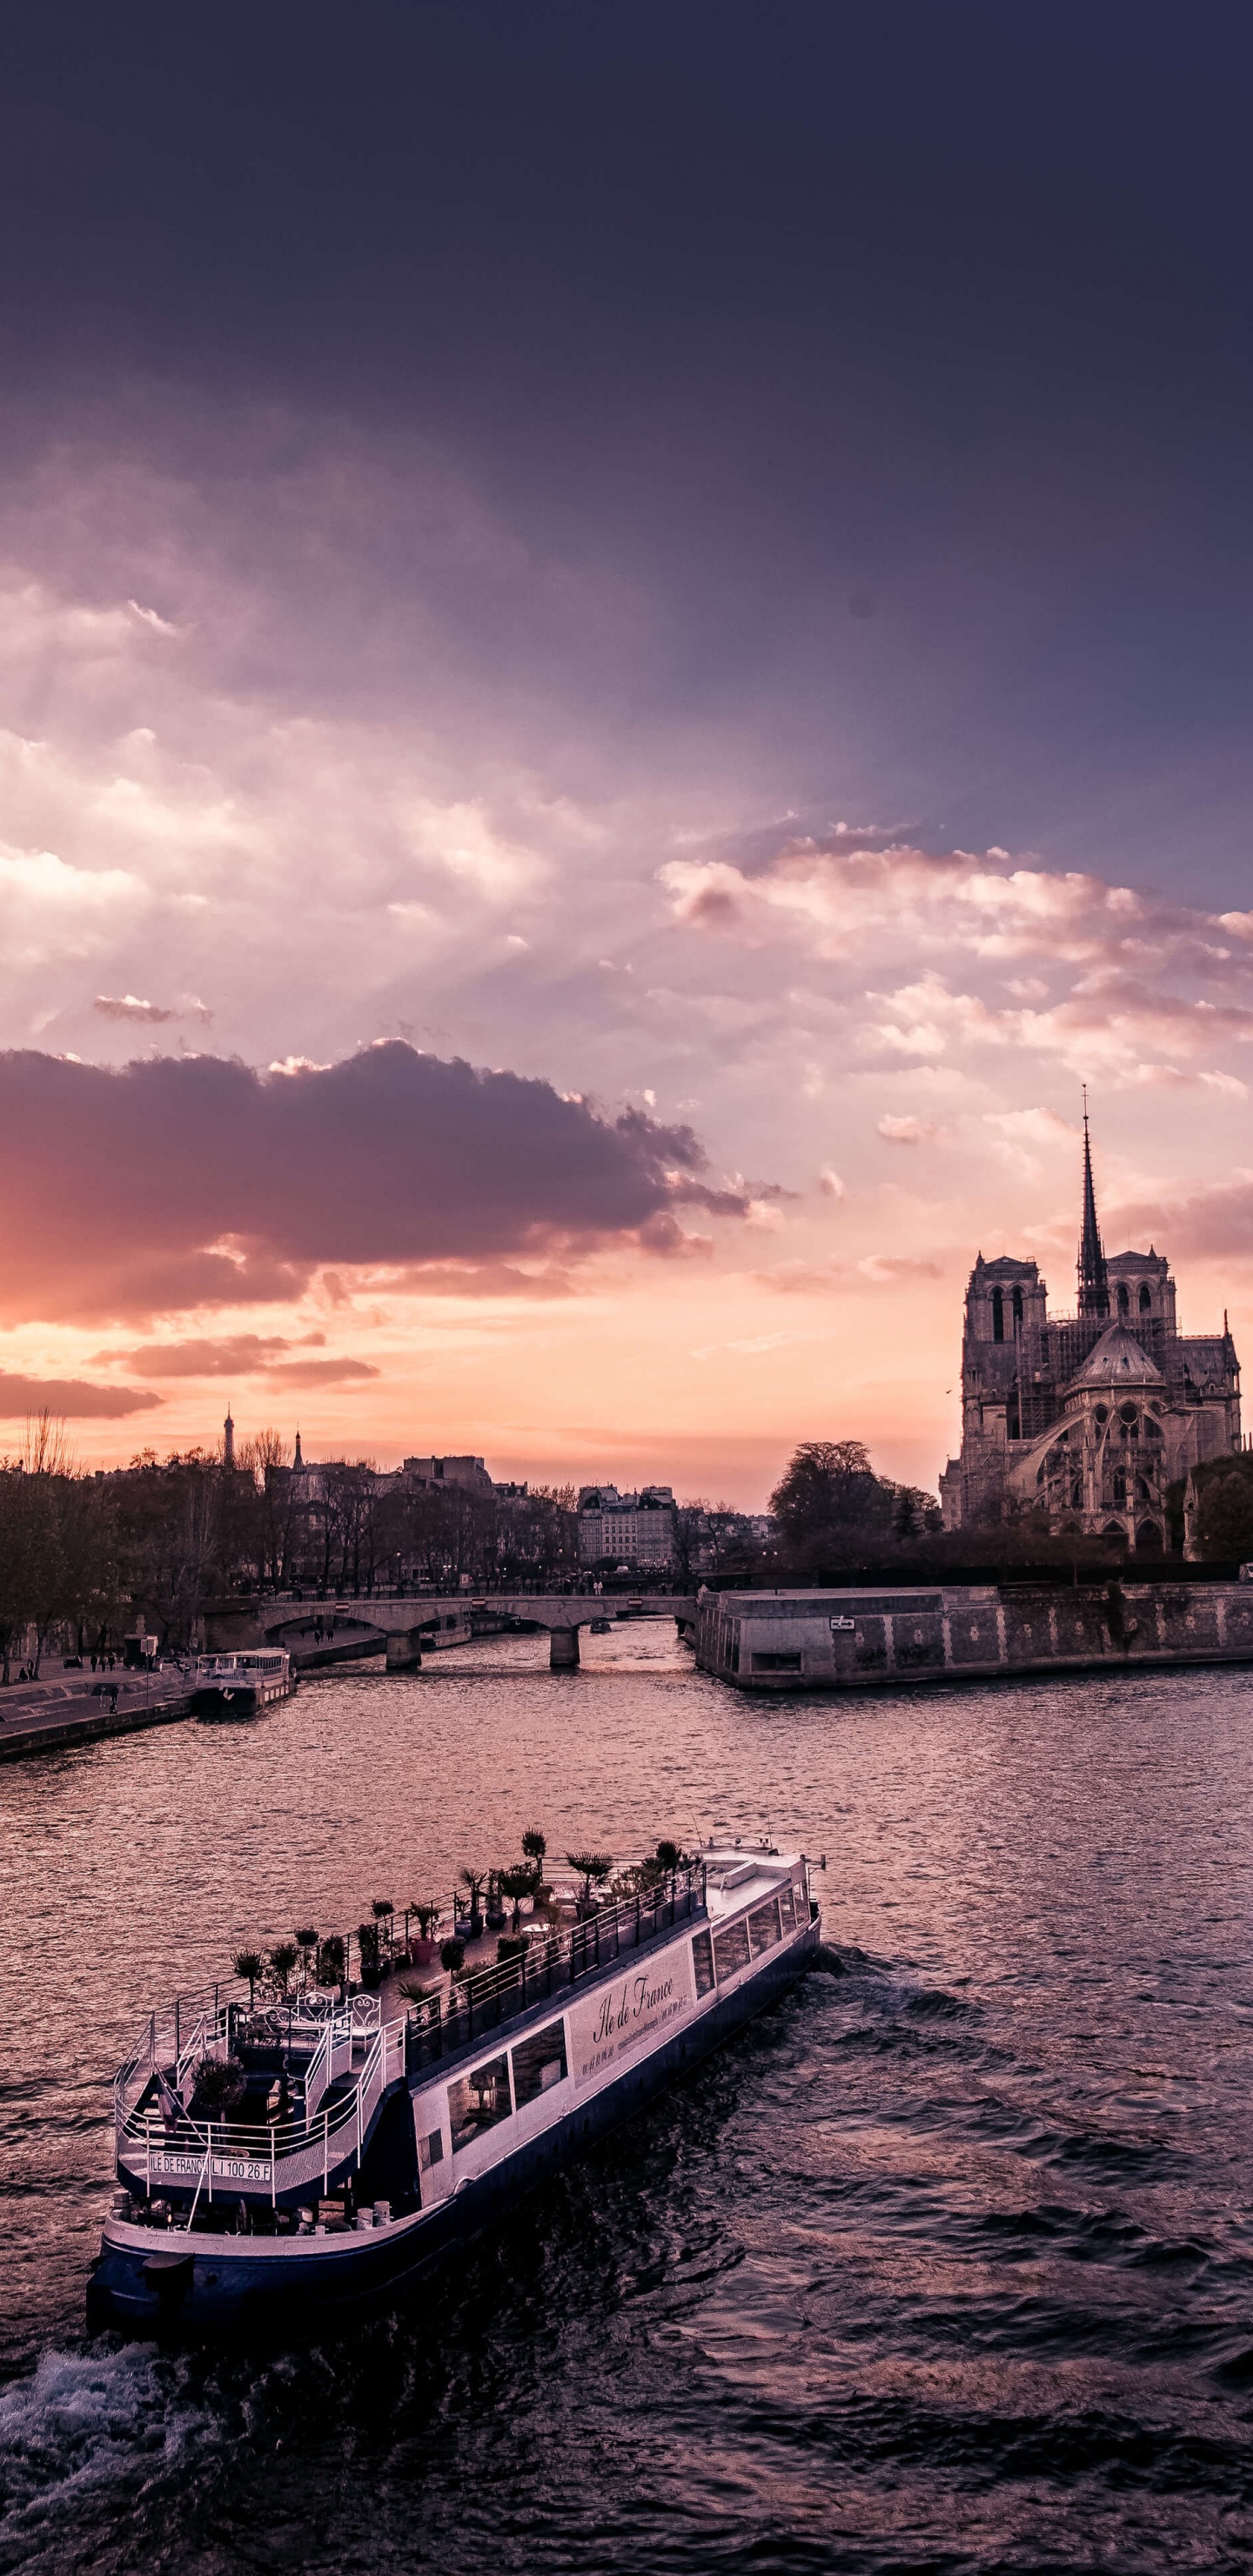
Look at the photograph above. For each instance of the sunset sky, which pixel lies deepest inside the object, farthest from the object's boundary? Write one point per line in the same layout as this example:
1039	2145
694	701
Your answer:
626	642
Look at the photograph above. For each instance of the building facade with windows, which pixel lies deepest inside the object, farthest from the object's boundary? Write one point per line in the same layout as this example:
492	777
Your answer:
626	1529
1088	1418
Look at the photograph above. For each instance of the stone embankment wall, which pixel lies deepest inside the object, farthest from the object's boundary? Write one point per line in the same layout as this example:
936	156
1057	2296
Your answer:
849	1640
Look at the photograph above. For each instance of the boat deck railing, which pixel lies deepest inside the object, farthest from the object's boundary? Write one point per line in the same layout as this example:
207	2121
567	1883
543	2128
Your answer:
334	2062
352	2067
447	2023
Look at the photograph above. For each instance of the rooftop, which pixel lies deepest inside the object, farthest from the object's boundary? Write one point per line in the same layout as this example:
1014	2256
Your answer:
1118	1360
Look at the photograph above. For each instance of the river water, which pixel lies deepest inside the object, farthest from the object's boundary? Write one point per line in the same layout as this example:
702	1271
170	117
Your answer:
946	2263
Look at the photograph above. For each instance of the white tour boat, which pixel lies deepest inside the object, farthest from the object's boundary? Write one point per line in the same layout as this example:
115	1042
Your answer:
296	2158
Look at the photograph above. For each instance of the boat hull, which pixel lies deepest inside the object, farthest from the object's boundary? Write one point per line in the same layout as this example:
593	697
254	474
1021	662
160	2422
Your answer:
221	1707
205	2284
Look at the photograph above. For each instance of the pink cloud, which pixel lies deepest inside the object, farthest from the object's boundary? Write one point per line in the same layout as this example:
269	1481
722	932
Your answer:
1210	1224
71	1396
846	901
908	1131
234	1355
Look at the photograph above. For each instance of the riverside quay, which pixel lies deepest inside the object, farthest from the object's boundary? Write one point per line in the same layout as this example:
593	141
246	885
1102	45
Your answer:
847	1640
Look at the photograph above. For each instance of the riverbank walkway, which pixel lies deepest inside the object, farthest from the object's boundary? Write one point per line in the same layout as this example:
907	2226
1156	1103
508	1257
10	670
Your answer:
48	1716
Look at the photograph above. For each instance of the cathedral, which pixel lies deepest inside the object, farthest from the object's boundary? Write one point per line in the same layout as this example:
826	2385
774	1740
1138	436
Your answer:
1086	1418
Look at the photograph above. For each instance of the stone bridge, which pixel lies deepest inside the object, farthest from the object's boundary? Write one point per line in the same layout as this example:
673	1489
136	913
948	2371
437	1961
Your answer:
400	1624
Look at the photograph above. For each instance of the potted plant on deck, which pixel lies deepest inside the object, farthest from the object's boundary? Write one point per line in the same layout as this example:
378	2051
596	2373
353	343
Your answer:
473	1880
535	1844
593	1868
422	1951
369	1943
250	1965
283	1959
514	1884
219	2088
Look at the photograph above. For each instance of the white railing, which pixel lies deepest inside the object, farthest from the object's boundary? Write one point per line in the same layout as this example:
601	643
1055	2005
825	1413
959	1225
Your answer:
278	2156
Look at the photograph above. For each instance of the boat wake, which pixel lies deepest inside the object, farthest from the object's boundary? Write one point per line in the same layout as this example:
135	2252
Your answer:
84	2421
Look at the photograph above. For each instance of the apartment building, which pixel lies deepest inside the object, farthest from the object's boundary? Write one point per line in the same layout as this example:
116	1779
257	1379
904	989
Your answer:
626	1529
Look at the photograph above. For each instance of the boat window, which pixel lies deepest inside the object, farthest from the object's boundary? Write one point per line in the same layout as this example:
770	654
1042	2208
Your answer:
703	1963
731	1949
786	1908
764	1928
539	2062
776	1663
431	2150
477	2101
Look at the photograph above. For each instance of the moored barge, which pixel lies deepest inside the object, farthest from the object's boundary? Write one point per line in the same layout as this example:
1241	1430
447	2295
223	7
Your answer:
363	2150
227	1686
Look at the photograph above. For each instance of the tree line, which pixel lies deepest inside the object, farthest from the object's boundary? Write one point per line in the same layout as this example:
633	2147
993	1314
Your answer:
84	1556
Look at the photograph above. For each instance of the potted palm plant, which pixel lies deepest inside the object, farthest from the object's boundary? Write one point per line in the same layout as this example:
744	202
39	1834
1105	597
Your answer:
535	1844
250	1965
283	1959
306	1942
422	1951
473	1880
593	1868
514	1884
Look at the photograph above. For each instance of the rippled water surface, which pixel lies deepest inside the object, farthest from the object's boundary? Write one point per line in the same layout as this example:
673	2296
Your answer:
945	2263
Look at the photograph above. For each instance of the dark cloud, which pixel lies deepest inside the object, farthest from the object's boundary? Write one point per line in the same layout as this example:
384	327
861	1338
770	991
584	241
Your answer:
71	1396
198	1181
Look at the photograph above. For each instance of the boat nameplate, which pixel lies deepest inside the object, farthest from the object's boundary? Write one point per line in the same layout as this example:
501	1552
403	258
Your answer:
636	2007
176	2168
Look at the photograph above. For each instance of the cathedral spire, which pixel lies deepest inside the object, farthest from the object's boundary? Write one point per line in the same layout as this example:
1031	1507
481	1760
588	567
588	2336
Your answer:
1093	1277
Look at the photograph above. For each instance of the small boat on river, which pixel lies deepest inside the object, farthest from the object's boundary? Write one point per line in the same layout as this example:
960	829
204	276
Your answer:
227	1686
283	2162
